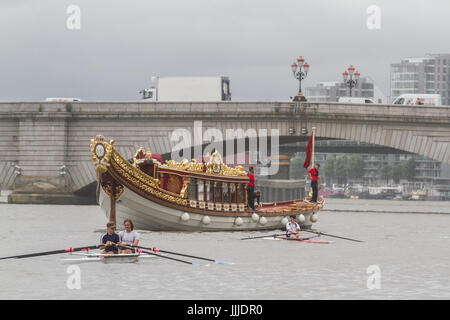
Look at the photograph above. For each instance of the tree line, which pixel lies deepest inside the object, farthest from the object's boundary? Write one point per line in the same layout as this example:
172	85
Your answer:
351	167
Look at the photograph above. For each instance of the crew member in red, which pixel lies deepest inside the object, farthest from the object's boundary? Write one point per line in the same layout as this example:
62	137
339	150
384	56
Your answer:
313	174
251	188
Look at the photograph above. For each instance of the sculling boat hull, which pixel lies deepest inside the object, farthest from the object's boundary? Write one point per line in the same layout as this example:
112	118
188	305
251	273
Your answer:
106	258
298	240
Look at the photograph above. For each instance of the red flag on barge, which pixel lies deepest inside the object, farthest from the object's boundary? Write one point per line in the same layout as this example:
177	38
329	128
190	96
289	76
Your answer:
308	153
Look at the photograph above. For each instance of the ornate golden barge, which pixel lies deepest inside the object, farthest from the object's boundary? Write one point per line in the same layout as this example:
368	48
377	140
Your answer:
185	196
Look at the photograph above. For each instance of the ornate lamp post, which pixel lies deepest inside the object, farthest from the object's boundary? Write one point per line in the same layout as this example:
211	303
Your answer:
351	78
300	71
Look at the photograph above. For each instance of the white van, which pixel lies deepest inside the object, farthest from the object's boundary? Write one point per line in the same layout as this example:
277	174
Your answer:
355	100
62	99
419	99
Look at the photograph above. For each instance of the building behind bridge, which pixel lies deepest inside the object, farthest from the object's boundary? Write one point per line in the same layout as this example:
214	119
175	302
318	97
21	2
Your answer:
429	74
331	91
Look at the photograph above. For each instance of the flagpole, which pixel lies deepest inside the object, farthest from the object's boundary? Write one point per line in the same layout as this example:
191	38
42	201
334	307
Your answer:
313	144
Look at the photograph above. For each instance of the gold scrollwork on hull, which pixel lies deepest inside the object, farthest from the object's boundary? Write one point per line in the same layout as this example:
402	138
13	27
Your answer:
214	166
101	153
142	181
184	188
117	192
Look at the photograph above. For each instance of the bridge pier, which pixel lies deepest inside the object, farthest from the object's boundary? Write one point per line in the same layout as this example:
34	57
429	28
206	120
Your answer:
283	163
41	147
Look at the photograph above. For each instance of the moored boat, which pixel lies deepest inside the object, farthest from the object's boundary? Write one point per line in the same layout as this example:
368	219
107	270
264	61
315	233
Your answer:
185	196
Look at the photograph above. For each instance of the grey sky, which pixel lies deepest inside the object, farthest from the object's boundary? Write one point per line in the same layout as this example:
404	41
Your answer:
123	43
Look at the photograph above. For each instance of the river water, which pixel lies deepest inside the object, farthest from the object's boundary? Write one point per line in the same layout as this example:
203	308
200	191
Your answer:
410	249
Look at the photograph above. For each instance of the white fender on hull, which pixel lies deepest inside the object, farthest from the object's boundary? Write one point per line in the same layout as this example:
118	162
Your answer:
206	220
263	220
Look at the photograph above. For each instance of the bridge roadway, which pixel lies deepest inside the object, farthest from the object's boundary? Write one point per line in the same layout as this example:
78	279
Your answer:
51	140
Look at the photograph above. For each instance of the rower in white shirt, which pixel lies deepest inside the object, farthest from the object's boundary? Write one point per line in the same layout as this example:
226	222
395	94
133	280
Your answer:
128	237
292	228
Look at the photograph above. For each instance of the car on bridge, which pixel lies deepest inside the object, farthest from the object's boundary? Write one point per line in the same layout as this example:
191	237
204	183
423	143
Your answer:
355	100
419	99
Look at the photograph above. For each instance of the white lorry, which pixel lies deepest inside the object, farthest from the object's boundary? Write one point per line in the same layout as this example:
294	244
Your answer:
62	99
419	99
188	89
355	100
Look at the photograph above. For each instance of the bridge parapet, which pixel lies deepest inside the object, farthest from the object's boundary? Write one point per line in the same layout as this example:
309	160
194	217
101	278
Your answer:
228	109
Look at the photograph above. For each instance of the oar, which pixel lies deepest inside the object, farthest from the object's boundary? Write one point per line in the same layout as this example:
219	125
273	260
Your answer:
170	258
330	235
185	255
46	253
266	236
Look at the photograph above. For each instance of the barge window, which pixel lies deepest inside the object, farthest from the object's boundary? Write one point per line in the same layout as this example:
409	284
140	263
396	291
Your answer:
201	186
233	192
192	188
242	191
225	193
207	190
211	191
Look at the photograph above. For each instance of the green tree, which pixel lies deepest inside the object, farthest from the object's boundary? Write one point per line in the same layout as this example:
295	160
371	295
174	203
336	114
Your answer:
397	172
355	166
386	173
409	168
341	169
329	170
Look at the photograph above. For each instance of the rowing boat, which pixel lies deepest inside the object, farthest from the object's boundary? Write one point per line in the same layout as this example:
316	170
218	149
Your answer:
84	255
106	258
306	240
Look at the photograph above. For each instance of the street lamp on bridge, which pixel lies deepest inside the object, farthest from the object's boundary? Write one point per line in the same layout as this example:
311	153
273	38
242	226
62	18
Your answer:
300	71
351	78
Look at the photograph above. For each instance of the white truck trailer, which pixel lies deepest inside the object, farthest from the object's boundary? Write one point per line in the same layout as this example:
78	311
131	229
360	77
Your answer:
188	89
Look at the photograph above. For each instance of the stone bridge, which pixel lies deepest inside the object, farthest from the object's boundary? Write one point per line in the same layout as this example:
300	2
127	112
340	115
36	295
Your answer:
51	140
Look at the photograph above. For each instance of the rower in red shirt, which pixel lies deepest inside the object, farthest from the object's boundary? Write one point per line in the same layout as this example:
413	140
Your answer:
251	188
313	174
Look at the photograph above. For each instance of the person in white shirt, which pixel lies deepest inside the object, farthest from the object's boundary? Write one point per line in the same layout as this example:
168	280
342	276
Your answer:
292	228
128	237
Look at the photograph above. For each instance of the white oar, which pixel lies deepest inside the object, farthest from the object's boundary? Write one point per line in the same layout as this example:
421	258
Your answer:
186	255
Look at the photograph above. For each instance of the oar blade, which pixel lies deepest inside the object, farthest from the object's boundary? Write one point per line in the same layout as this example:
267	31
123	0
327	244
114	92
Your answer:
185	255
222	262
9	258
334	236
259	237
